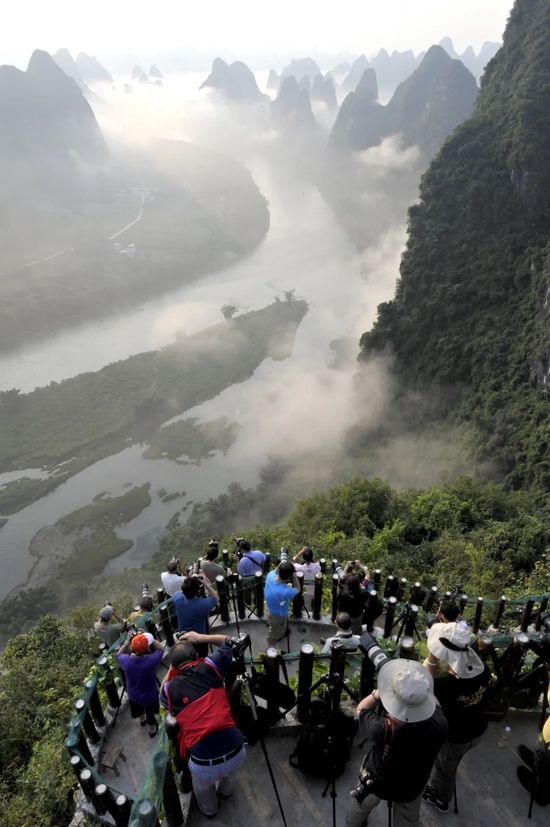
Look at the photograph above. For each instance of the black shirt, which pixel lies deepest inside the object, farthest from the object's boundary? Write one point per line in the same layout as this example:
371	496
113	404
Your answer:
410	755
353	604
463	701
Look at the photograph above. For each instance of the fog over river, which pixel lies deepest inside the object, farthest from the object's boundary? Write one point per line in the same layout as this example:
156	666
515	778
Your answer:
296	403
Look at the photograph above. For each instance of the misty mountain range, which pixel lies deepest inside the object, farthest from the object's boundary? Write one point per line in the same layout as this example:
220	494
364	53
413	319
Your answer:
236	82
424	109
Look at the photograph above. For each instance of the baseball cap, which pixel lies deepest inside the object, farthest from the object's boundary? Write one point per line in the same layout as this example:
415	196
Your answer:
106	613
140	643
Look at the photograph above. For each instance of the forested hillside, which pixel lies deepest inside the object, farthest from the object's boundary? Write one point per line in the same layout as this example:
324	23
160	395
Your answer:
470	311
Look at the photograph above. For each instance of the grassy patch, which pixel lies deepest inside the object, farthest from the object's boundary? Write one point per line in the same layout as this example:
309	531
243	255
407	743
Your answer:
20	493
196	442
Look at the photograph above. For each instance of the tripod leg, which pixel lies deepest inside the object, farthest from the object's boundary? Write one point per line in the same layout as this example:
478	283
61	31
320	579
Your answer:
456	801
530	813
390	812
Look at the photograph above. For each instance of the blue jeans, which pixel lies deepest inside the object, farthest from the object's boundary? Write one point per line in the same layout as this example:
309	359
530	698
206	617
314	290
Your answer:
204	779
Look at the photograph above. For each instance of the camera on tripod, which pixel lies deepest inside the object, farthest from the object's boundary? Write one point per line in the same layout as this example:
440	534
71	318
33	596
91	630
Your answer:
238	550
283	558
371	650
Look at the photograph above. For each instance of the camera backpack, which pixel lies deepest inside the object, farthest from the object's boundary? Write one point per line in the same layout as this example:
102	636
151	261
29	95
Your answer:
324	744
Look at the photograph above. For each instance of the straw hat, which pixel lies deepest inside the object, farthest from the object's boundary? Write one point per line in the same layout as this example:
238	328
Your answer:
406	690
450	642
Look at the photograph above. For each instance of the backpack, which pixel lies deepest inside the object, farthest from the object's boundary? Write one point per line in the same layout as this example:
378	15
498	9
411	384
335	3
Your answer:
324	745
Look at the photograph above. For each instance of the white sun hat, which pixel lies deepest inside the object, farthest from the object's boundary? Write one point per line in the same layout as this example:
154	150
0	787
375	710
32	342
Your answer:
450	642
406	690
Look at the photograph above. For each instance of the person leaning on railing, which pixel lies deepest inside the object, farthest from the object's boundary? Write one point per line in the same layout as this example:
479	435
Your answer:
249	562
309	568
145	606
352	597
172	579
106	631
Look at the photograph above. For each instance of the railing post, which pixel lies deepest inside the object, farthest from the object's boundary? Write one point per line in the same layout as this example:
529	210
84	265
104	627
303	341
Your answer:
166	625
462	602
317	596
377	579
373	609
477	618
401	591
124	808
542	609
298	600
147	815
221	586
101	792
417	595
406	647
500	609
272	674
305	680
119	812
95	703
161	595
171	799
267	563
77	765
225	559
76	742
432	597
87	723
110	684
88	788
259	593
392	587
390	616
335	583
241	608
527	612
337	667
323	564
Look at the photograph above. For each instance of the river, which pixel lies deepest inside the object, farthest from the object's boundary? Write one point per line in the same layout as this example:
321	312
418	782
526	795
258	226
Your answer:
305	251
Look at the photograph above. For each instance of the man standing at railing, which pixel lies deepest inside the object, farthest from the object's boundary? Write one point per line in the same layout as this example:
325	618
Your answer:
278	594
193	692
140	669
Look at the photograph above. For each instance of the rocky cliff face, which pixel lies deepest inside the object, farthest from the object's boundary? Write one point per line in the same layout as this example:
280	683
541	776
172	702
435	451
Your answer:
299	68
291	109
91	69
48	132
355	74
65	62
425	108
155	72
236	82
323	91
474	275
273	80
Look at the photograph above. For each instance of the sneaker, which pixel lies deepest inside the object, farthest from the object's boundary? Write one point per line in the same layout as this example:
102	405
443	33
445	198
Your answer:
527	755
430	798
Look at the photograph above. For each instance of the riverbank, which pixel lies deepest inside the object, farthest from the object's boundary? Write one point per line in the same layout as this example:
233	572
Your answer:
82	420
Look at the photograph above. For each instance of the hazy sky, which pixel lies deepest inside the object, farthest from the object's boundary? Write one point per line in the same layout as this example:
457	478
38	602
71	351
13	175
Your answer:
247	27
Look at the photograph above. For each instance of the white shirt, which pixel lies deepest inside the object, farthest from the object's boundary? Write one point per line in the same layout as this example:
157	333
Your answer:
172	582
309	570
348	639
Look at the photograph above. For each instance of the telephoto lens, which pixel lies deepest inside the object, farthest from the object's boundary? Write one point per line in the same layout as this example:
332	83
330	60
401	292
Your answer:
144	590
372	650
338	570
284	554
196	568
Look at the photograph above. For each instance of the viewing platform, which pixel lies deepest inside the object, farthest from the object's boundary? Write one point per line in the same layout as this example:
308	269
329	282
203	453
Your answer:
140	787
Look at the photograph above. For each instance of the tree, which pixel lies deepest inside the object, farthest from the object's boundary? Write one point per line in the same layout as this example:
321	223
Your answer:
228	311
11	401
289	295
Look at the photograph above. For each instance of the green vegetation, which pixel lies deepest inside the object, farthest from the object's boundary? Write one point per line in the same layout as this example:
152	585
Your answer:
197	442
469	324
97	414
20	493
491	540
68	556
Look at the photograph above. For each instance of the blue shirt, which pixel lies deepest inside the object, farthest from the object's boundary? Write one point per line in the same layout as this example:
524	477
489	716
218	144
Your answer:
251	562
277	595
192	613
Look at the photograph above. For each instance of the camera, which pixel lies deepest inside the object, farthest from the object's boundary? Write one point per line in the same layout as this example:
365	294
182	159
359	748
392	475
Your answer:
238	645
132	628
238	551
363	787
284	554
339	570
372	650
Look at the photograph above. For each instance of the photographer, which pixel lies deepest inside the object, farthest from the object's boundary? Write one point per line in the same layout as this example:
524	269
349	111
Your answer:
461	691
140	669
145	606
404	728
535	775
309	568
194	694
352	598
209	567
193	606
278	594
106	631
350	642
172	579
249	562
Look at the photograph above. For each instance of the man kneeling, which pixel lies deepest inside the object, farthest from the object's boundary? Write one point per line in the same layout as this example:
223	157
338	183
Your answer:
194	693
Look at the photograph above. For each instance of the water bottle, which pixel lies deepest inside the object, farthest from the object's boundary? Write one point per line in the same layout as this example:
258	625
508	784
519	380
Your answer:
503	737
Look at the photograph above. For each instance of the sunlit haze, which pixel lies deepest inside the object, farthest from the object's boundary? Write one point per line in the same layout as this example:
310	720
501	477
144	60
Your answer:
259	33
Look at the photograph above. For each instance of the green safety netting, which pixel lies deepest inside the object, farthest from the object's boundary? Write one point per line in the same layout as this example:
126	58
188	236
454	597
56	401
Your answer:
147	807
